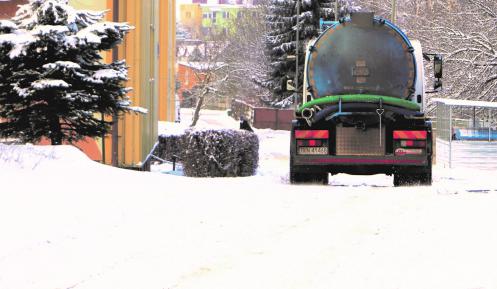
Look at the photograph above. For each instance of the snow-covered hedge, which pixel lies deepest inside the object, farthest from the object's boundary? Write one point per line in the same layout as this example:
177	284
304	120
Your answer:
171	146
220	153
213	153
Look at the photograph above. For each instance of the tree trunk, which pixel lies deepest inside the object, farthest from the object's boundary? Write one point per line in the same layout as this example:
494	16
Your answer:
56	131
198	107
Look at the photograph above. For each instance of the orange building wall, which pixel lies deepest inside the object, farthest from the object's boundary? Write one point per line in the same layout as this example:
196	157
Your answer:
188	78
8	8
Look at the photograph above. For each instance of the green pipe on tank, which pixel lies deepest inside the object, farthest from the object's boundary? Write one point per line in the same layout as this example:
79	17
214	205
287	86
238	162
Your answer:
369	98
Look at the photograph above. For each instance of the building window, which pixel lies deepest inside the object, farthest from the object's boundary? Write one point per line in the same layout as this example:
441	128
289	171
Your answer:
188	14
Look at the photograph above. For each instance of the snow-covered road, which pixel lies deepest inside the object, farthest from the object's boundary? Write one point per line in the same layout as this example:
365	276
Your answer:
67	222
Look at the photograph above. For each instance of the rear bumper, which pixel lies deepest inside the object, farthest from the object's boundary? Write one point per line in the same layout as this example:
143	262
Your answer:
363	165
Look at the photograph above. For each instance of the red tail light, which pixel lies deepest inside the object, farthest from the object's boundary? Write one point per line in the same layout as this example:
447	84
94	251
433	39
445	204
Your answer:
312	134
310	143
409	134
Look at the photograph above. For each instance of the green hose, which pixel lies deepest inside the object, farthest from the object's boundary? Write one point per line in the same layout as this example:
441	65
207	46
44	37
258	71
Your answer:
360	98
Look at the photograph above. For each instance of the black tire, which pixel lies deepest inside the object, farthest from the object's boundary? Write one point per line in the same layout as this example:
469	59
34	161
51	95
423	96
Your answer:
423	179
400	180
307	178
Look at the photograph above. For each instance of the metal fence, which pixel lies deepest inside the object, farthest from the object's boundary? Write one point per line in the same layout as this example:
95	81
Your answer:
466	134
263	117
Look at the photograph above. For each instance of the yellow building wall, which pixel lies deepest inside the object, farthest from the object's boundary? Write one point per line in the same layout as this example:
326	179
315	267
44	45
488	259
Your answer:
98	5
167	60
149	51
150	54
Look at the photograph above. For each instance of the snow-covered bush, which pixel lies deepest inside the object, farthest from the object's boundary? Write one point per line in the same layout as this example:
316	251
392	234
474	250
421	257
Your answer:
220	153
171	146
53	81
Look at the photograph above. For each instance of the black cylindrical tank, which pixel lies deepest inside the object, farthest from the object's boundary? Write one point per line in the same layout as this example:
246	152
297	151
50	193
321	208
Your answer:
363	55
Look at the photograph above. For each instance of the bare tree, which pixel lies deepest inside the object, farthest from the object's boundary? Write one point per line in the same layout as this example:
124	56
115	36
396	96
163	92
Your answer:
233	63
210	74
245	56
464	31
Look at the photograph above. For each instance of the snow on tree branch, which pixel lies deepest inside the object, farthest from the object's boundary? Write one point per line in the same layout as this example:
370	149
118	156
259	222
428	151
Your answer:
53	82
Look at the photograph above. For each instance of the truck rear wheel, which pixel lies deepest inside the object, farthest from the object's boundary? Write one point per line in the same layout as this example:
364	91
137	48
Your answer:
423	179
308	178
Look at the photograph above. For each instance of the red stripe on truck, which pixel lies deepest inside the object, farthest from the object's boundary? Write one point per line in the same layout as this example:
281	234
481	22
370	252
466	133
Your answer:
363	161
409	134
311	134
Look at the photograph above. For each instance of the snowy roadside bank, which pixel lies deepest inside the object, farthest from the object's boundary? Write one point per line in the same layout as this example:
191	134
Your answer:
128	228
99	226
68	222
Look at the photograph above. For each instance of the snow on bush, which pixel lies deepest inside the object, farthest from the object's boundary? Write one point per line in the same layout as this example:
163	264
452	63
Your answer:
53	80
212	153
220	153
171	146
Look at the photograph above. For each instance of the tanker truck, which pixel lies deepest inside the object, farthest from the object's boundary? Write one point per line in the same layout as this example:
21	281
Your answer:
362	108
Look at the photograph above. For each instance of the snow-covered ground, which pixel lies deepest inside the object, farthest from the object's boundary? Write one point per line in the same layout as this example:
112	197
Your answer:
67	222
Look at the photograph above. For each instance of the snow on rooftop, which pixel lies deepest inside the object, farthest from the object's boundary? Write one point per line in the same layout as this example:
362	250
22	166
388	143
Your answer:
462	102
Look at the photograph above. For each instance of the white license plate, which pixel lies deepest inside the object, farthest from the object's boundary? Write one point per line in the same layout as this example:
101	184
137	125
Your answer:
313	150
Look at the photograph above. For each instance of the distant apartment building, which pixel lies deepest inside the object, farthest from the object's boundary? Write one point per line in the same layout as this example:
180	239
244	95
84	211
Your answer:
232	2
203	17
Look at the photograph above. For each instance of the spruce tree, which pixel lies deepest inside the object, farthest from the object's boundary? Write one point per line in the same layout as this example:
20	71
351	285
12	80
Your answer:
280	42
53	81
